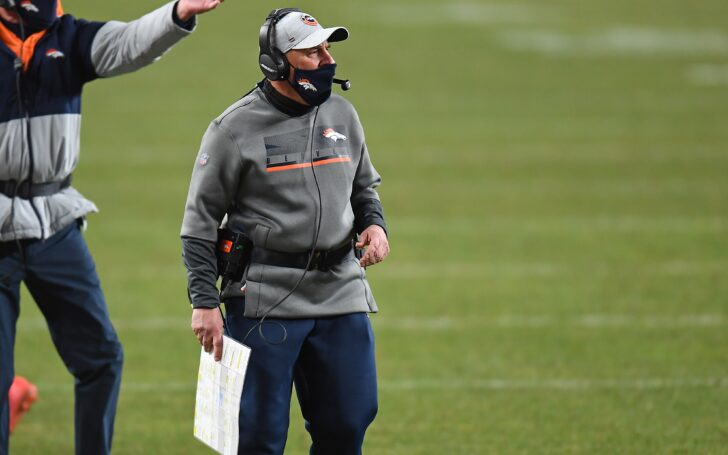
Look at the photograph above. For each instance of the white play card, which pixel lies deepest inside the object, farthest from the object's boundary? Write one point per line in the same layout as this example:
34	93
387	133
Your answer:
219	388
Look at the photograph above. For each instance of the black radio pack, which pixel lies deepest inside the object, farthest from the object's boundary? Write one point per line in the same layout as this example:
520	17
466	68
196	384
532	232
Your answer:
233	255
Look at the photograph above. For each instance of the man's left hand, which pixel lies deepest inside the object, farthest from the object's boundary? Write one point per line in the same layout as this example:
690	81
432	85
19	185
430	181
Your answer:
188	8
375	239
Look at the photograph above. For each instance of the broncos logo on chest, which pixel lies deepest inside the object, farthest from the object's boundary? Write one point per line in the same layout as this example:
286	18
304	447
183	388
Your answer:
329	133
54	53
288	151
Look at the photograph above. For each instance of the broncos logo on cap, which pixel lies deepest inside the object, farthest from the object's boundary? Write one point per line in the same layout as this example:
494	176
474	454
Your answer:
307	85
28	6
333	135
308	20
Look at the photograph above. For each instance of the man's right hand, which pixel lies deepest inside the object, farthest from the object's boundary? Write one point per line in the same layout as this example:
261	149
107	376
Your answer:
207	326
188	8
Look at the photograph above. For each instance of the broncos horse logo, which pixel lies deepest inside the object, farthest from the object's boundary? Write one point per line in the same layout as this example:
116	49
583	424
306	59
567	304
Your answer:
28	6
333	135
307	85
54	53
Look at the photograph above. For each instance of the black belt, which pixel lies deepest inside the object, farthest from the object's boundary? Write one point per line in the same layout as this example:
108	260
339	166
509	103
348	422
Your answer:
322	260
27	190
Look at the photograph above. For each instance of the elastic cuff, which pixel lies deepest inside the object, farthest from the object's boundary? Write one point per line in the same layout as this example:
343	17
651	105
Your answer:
367	221
204	305
188	25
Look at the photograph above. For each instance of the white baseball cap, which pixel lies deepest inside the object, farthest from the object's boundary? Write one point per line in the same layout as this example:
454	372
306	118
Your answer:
298	30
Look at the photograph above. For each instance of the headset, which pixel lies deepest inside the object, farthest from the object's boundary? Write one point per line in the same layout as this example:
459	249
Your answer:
273	63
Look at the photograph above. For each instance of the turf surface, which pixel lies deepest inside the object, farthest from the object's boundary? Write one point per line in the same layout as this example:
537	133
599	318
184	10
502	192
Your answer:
555	181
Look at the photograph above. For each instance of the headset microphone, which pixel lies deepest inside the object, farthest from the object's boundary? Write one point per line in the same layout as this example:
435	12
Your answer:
345	83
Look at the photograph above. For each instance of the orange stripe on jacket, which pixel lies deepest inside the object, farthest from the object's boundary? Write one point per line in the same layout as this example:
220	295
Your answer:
343	159
26	48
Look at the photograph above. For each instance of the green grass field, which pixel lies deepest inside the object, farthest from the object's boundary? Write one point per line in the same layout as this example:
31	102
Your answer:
556	186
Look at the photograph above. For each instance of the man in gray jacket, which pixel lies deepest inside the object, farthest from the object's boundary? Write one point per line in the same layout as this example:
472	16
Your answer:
46	57
288	167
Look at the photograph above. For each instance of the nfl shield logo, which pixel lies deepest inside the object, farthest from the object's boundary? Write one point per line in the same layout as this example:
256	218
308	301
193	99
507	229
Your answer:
203	159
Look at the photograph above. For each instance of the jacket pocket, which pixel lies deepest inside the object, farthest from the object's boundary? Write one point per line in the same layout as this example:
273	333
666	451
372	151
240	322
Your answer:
260	235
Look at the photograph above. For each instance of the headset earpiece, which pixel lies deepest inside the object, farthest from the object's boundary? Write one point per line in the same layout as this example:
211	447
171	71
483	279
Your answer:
273	63
269	67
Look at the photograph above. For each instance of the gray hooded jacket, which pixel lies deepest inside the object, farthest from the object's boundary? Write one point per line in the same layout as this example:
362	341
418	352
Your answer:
264	169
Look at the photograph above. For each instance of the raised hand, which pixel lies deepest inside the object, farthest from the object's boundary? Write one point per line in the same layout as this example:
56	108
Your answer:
188	8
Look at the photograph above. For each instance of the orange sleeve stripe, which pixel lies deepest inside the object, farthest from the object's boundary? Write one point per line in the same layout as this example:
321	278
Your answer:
341	159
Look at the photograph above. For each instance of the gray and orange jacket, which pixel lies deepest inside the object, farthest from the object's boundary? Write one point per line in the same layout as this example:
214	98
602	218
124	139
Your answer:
57	62
264	168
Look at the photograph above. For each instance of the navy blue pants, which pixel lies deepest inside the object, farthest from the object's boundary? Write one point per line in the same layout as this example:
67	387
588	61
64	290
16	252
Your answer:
61	276
330	361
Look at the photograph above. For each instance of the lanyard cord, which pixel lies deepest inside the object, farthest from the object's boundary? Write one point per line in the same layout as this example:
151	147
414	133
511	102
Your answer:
312	252
18	65
25	115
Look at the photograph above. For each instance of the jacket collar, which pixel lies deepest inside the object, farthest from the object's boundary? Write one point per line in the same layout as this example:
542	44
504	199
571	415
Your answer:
282	102
22	49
